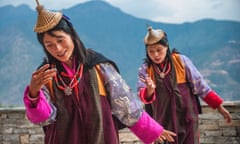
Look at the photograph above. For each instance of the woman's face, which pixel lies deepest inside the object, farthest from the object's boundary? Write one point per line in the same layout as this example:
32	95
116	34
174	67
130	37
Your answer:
59	46
157	52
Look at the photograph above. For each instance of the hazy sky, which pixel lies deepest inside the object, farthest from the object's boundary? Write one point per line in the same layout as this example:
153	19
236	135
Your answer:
170	11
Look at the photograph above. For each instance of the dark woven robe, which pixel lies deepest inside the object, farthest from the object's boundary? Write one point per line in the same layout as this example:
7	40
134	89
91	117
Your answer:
87	121
176	108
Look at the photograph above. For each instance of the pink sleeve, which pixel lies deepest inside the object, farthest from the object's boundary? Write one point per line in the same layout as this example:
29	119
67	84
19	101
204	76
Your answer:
142	94
39	110
147	129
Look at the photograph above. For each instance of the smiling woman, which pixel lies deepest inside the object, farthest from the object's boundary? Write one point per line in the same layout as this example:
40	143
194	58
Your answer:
77	95
59	45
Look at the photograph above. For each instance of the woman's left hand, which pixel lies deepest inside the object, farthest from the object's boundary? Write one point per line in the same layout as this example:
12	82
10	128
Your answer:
166	136
224	112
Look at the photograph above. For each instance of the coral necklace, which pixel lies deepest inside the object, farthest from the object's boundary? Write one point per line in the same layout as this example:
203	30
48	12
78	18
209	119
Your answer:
67	89
164	72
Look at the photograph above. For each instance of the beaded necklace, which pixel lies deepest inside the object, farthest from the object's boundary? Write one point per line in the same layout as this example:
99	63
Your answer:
164	72
67	89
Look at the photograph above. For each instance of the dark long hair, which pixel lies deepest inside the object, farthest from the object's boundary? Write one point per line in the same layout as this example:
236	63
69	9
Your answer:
79	52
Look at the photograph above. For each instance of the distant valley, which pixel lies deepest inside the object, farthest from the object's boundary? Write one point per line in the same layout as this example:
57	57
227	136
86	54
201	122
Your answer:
213	46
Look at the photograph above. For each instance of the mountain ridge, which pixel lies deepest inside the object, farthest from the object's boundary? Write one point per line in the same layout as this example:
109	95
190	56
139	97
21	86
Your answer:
213	45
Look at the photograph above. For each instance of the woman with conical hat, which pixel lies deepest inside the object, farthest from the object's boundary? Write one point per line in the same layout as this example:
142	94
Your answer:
170	85
77	94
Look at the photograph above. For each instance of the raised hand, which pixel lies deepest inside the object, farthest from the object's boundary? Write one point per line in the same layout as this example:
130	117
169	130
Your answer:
39	78
149	84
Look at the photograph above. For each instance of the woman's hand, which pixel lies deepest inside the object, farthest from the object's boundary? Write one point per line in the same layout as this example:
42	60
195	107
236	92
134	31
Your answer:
166	136
39	78
224	112
149	84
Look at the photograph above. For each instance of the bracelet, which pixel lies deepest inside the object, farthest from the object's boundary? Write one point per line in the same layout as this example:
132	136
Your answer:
33	99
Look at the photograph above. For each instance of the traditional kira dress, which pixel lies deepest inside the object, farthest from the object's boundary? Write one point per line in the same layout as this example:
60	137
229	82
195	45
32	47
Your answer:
174	102
87	115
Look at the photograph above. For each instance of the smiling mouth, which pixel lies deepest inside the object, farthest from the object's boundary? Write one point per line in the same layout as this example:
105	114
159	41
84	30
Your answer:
62	54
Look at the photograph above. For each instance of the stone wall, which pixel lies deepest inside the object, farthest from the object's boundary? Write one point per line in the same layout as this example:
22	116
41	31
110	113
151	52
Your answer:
15	129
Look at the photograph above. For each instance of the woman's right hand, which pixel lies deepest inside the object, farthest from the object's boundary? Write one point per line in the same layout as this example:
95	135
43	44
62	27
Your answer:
39	78
149	85
166	136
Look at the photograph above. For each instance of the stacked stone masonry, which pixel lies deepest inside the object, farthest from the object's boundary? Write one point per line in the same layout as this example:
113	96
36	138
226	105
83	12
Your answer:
16	129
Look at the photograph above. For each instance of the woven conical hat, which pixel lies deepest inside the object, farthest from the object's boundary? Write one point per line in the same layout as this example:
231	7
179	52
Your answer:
153	36
46	20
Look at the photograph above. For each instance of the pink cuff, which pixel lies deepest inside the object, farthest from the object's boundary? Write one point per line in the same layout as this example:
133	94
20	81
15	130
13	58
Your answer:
142	94
34	101
213	100
38	111
147	129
